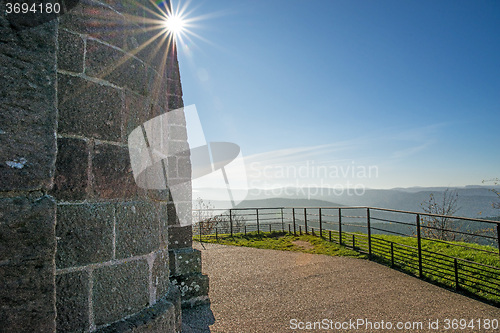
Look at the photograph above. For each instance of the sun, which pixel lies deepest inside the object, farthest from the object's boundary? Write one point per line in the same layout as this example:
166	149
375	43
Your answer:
174	24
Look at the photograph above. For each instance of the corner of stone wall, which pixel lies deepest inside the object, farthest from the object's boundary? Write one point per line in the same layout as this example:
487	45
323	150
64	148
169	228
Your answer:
185	266
186	274
28	118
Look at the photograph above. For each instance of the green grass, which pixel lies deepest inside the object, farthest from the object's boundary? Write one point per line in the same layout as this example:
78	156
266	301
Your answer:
283	242
437	265
456	250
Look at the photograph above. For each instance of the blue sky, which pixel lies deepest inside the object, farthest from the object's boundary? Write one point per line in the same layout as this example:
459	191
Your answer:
410	87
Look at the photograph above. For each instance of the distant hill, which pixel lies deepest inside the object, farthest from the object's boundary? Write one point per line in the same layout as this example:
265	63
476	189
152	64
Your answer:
285	202
474	201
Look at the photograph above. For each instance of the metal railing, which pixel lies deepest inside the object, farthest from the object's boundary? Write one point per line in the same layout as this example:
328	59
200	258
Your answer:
470	263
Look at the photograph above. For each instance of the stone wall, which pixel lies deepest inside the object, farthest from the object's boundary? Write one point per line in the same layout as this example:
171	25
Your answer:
28	119
79	238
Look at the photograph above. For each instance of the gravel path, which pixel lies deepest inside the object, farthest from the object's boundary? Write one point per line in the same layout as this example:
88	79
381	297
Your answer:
254	290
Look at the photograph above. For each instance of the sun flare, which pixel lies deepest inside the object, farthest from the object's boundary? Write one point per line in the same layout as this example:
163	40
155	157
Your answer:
174	24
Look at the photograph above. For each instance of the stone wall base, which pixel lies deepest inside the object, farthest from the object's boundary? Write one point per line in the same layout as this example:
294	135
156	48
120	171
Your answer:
185	272
164	316
193	288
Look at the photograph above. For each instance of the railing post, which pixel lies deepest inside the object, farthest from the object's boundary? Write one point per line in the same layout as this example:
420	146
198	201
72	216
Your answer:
340	226
289	228
305	219
312	231
369	231
269	228
282	221
320	224
419	246
216	234
231	221
245	229
455	263
353	242
258	226
498	237
392	254
200	229
300	230
294	226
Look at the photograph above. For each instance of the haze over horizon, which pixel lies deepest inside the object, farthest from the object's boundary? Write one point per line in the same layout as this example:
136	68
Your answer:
408	90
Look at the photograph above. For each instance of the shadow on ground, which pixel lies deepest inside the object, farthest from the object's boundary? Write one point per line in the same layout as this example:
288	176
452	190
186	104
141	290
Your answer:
197	319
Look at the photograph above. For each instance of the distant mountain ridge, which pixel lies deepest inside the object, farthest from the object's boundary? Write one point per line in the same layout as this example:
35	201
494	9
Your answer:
285	202
474	201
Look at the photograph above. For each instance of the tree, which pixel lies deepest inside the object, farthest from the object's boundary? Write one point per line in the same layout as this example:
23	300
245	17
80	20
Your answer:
446	227
495	181
441	227
207	220
204	216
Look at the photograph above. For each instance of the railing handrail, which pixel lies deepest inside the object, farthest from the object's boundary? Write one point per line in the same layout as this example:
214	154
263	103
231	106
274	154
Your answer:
357	207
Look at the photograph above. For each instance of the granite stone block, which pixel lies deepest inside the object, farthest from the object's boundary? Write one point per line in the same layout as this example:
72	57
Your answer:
191	286
180	237
89	109
71	51
72	301
120	290
185	261
71	177
85	234
116	66
112	172
137	229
